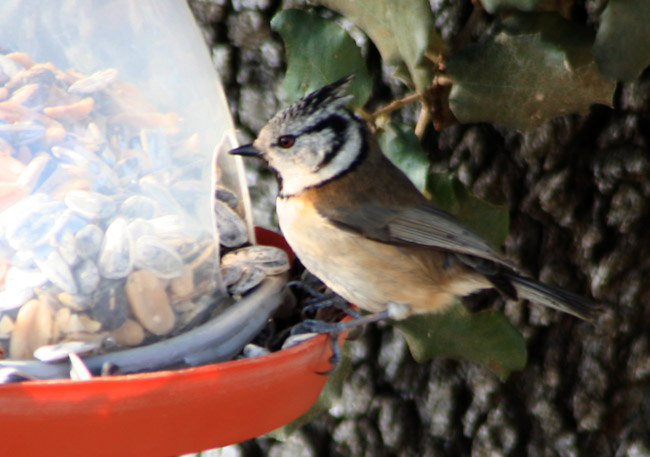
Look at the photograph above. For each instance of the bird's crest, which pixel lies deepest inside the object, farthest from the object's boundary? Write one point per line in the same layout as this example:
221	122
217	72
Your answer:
327	97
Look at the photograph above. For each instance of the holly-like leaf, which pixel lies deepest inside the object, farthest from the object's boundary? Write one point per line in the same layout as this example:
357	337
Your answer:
493	6
537	67
402	31
490	221
622	47
485	337
402	147
319	52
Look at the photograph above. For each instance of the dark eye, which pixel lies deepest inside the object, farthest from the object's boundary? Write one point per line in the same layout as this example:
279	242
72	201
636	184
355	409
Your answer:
286	141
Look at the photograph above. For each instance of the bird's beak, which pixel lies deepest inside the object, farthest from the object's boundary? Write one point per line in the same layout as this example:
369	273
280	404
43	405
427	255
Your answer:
247	150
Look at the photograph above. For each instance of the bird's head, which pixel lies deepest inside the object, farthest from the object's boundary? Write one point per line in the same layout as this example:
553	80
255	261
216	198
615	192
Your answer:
311	141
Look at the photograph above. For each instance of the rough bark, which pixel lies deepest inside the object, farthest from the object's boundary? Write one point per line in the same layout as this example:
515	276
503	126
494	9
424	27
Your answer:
578	189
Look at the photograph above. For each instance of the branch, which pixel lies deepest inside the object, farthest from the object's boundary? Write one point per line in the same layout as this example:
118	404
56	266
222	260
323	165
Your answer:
394	105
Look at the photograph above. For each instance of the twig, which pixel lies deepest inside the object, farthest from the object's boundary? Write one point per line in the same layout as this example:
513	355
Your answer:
395	105
423	121
442	80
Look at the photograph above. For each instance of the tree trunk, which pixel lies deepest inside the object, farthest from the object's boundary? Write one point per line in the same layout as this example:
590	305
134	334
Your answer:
578	190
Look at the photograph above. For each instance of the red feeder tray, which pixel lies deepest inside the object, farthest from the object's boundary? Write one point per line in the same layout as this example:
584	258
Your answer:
165	413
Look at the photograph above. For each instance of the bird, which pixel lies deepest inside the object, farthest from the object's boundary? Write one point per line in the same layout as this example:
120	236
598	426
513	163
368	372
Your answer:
358	223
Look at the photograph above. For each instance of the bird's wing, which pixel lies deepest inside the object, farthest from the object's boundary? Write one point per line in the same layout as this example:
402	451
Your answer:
421	225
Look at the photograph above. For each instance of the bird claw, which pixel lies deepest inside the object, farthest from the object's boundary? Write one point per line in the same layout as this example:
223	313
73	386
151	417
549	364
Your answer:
315	326
305	288
322	300
330	300
334	328
331	329
336	357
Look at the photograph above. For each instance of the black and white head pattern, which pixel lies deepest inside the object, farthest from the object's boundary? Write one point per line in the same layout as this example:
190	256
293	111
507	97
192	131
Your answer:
313	140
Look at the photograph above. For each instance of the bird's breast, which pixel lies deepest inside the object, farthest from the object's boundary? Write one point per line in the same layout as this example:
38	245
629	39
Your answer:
368	273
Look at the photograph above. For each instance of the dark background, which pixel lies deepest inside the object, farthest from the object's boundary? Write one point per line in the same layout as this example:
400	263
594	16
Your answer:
578	190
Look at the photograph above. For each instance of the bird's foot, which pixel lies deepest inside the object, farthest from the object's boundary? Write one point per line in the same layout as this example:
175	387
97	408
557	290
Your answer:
322	300
334	329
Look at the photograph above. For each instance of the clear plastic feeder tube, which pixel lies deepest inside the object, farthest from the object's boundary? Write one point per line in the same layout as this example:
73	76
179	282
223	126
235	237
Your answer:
110	115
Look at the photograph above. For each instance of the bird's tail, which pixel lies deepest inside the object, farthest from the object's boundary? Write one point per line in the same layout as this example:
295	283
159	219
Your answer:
555	297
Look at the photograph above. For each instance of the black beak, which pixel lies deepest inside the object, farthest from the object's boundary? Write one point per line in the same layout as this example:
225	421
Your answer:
247	150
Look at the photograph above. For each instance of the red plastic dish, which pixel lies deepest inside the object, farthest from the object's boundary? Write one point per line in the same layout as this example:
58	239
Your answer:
166	412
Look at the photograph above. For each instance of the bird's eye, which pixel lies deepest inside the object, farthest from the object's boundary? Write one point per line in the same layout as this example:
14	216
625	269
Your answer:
286	141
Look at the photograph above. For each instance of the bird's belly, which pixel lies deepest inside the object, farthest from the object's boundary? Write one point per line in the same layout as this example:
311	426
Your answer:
368	273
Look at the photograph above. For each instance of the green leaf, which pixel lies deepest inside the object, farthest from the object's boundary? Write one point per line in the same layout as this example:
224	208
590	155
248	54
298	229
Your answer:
622	47
485	337
319	52
402	147
493	6
537	67
402	31
490	221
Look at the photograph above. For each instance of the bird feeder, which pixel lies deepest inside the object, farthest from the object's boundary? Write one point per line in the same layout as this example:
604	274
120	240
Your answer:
115	213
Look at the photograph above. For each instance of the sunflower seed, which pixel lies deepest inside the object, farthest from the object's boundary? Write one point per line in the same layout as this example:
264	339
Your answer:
231	228
92	205
52	264
116	254
99	80
151	253
269	259
88	241
78	369
61	351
